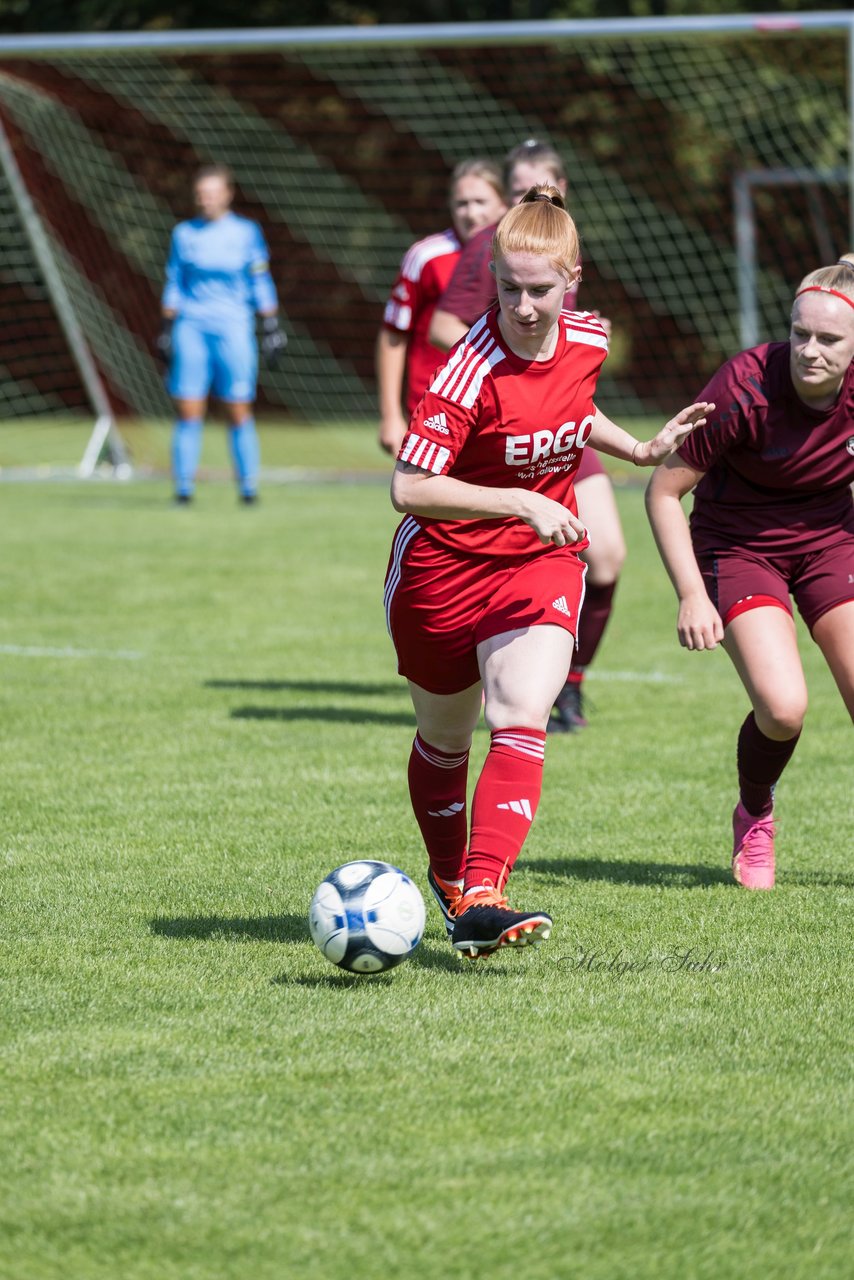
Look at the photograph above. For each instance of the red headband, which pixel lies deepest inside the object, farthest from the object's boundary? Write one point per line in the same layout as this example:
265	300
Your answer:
823	288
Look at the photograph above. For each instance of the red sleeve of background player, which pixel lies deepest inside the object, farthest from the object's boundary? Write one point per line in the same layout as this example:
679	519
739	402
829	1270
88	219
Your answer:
471	289
729	423
402	305
438	429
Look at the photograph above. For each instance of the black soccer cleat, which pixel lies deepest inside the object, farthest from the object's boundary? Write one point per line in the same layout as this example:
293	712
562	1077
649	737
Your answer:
447	895
484	924
568	712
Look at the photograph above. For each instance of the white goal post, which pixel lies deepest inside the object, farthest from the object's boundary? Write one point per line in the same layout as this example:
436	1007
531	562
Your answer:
710	164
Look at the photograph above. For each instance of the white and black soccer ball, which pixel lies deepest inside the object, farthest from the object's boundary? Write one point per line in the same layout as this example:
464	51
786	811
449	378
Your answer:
366	916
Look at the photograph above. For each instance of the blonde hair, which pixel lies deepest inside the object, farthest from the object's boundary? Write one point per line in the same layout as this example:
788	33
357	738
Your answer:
478	167
838	277
539	224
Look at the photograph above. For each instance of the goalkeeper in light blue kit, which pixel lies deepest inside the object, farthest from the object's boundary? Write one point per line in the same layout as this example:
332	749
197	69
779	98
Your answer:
217	279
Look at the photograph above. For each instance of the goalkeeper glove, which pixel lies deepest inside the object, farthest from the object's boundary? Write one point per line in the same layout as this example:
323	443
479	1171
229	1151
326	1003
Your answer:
273	340
163	341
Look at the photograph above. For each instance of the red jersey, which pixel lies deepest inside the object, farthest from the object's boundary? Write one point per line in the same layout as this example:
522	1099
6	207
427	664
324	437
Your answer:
778	473
424	272
471	289
491	417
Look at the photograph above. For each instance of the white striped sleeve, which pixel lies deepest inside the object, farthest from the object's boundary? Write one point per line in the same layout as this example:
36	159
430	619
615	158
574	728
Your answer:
423	453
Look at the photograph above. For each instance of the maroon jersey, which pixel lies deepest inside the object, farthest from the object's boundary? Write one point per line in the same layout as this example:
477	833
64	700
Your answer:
471	289
490	417
424	272
777	473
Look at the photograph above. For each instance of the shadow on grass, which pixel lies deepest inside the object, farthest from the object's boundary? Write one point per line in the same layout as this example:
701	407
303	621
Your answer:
427	956
335	715
652	874
338	980
669	874
438	955
294	928
816	879
352	687
286	928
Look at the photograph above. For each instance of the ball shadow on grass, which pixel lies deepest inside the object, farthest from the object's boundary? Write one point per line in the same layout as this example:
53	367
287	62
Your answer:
282	928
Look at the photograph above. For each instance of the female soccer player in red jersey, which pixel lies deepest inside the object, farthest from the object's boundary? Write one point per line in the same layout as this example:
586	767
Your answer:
404	352
470	291
485	583
773	517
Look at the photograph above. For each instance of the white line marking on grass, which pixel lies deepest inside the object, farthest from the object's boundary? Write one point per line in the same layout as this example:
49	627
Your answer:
40	651
639	677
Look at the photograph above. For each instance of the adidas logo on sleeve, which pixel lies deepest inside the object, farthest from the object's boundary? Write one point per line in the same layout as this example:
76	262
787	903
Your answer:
438	422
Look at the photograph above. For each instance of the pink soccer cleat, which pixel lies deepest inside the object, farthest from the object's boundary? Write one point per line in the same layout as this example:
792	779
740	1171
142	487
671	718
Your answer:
752	849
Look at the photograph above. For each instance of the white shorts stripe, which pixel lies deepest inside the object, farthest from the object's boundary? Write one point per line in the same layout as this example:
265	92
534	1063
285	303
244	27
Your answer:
406	531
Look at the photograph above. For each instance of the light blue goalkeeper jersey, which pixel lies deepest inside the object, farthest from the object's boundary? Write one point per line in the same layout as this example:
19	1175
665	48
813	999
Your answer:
218	273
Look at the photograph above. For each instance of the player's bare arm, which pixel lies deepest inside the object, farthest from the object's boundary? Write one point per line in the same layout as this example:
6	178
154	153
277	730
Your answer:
446	329
441	497
609	438
698	623
391	348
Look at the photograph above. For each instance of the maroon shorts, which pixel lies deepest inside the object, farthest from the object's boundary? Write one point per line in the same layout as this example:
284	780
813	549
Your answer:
590	465
738	580
440	604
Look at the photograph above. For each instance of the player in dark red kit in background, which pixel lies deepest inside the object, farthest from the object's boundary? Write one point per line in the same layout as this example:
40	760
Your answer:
485	582
773	517
470	291
404	353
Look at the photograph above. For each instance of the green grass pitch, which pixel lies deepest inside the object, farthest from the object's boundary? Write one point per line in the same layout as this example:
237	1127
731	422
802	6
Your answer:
201	718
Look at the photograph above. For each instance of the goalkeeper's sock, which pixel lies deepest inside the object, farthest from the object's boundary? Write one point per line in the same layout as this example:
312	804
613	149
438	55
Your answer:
246	455
186	451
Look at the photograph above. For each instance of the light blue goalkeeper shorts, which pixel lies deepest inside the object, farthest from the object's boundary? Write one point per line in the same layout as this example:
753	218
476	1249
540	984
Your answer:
203	364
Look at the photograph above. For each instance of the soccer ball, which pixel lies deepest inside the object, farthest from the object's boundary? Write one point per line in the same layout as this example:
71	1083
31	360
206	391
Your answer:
366	916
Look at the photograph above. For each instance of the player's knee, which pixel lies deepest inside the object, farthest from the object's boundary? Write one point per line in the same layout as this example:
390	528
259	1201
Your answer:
450	741
783	716
503	714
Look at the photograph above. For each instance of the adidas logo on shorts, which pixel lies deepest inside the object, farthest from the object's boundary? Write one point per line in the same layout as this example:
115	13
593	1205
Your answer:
561	606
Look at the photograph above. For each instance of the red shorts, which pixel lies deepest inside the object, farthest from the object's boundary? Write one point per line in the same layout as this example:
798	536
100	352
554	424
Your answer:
590	465
440	604
818	580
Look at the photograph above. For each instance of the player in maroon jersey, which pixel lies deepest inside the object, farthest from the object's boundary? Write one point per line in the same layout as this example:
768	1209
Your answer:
485	582
773	518
470	291
404	353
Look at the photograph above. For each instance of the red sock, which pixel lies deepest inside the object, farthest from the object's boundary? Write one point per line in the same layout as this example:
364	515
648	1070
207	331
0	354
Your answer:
437	788
595	612
761	761
505	801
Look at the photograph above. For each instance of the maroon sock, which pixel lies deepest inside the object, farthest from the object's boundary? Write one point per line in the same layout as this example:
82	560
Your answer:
595	612
504	804
437	788
761	760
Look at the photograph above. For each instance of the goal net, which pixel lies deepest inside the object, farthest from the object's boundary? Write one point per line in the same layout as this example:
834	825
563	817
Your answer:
342	152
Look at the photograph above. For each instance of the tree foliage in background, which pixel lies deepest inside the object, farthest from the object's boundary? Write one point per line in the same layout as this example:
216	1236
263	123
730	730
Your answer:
151	15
